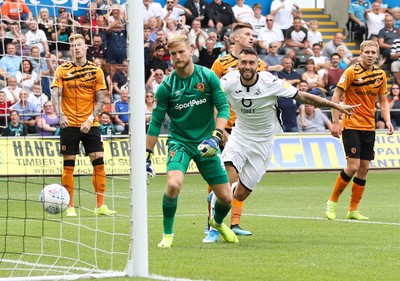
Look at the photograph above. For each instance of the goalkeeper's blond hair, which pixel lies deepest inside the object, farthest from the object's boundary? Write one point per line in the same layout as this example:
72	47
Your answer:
176	39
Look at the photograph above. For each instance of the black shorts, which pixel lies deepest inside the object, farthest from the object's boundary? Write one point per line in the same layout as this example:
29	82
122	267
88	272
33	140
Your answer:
359	144
71	137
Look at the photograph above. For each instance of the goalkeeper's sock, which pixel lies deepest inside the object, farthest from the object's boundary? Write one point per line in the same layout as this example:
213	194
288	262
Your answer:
237	209
169	206
209	202
220	212
357	190
340	185
99	180
67	179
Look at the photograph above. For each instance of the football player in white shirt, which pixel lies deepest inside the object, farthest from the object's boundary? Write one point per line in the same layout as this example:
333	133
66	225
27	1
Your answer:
253	97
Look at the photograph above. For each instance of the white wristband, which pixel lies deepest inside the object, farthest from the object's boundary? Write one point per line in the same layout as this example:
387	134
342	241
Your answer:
90	119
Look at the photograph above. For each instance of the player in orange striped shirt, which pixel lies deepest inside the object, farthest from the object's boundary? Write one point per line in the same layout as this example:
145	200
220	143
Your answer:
242	36
362	84
79	87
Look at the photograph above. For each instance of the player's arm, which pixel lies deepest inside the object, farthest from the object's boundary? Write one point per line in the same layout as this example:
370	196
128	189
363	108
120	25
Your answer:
385	112
99	103
317	101
56	94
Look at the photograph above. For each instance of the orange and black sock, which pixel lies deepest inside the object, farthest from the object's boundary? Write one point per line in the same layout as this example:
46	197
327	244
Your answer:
67	179
99	180
340	185
357	190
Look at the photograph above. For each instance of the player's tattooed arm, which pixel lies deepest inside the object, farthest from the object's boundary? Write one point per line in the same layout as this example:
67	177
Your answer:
99	102
56	93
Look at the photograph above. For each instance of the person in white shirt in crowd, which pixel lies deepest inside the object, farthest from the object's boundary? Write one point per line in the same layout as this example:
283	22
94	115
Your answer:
36	36
37	97
12	89
375	21
313	35
271	33
321	62
173	10
242	12
282	10
155	79
26	76
258	20
315	120
296	38
194	33
151	10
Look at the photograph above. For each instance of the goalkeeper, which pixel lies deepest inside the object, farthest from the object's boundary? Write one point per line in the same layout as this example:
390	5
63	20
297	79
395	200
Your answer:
189	96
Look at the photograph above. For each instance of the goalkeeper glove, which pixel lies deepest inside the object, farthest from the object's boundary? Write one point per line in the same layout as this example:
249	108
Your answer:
149	168
209	147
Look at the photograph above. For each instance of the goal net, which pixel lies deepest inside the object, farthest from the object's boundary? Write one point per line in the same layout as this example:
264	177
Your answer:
35	245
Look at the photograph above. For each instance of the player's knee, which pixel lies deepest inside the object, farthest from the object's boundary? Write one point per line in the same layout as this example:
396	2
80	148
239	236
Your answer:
98	161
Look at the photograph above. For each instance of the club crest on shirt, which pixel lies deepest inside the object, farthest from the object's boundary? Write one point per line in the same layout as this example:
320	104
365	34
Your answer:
172	154
200	86
378	82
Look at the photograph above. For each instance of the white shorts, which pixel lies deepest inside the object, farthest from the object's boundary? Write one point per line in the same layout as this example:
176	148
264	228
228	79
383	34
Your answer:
395	67
250	158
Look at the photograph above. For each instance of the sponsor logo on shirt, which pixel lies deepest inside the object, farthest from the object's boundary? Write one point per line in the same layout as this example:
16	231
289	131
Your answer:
190	104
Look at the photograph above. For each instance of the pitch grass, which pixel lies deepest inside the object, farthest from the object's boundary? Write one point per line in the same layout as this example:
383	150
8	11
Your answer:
291	238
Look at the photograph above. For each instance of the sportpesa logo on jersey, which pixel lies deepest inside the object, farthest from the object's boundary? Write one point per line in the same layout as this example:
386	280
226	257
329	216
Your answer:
190	104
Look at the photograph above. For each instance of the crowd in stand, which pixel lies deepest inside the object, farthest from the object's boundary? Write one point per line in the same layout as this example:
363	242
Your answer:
291	48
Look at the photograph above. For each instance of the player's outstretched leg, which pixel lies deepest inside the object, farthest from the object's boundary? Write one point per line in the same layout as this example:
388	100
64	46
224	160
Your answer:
213	234
236	214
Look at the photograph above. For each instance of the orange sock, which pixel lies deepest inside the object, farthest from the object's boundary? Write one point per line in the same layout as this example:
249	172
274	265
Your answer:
67	180
341	183
99	181
237	209
357	190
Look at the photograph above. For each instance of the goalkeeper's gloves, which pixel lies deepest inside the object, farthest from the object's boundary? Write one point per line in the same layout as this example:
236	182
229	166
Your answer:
149	167
209	147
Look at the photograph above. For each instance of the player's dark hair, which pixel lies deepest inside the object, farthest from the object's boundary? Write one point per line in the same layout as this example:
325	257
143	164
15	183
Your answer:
248	51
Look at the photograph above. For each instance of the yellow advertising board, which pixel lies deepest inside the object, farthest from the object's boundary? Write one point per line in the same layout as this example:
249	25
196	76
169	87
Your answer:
40	156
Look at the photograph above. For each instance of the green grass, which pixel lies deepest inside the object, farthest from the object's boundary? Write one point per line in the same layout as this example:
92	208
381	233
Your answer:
291	238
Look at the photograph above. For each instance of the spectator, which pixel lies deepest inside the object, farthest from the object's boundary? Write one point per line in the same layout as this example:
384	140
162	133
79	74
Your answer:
116	41
103	6
155	79
332	75
22	49
48	122
68	19
282	10
199	10
209	54
287	73
96	51
37	97
315	120
28	111
91	16
10	63
290	108
12	88
120	79
47	25
321	62
14	34
116	13
296	38
221	15
394	103
106	125
61	34
374	20
331	46
356	17
315	82
36	36
175	11
386	36
5	105
196	33
153	28
122	106
148	109
151	10
15	128
4	40
258	21
273	60
271	33
41	68
15	10
156	61
384	6
101	30
396	17
108	107
26	76
107	77
313	35
395	56
344	60
86	32
172	27
242	12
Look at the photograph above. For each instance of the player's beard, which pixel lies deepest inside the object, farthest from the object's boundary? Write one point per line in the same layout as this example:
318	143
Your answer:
182	65
247	74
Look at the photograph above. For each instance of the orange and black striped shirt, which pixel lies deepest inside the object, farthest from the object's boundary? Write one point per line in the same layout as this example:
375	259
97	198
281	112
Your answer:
362	86
79	85
225	64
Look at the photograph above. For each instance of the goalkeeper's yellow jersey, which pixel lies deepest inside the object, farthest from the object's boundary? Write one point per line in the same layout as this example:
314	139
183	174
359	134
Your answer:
225	64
